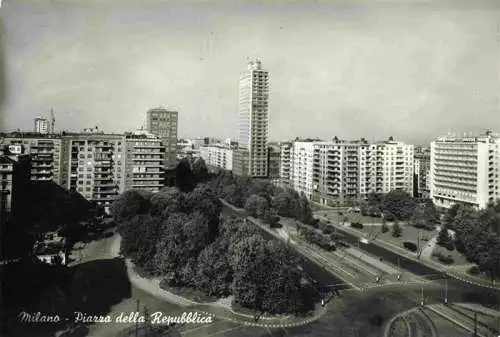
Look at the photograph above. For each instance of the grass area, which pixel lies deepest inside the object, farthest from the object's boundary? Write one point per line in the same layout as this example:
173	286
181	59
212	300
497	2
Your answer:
458	258
334	217
408	233
189	293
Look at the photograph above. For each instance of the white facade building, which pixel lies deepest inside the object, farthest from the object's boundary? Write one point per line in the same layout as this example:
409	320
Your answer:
286	152
218	156
253	121
302	162
465	170
339	171
42	125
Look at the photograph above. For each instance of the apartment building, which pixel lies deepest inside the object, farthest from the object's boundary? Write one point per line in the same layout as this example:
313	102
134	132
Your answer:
14	181
95	166
338	171
45	151
464	169
144	162
253	122
218	156
42	125
422	169
163	123
286	153
273	162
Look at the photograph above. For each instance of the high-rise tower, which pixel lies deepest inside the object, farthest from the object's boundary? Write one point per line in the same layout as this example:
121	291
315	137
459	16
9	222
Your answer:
252	156
163	123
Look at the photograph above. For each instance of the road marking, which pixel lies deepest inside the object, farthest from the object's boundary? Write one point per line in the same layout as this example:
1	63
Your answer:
195	329
223	331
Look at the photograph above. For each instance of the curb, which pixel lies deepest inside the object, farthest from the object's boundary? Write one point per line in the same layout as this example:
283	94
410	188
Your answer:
454	321
451	274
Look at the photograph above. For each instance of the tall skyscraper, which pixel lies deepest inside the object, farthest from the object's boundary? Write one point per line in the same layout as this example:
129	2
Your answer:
252	157
163	124
42	125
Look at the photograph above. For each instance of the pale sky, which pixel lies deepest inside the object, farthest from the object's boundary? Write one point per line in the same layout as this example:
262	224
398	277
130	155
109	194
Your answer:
408	69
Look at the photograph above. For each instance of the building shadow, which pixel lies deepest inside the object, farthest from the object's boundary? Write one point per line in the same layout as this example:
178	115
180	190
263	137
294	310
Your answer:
29	286
3	81
44	207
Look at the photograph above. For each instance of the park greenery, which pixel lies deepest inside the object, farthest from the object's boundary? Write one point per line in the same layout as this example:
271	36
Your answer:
262	199
477	235
181	236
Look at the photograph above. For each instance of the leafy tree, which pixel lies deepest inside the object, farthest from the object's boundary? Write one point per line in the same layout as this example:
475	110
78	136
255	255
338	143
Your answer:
374	199
203	200
196	235
421	218
443	237
374	211
283	204
399	203
170	251
139	240
384	228
234	195
214	274
257	206
388	216
186	180
129	204
168	200
396	230
305	213
199	169
247	258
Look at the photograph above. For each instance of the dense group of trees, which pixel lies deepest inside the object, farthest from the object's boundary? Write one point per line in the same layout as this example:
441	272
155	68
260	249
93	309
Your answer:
261	198
182	237
321	240
393	205
477	235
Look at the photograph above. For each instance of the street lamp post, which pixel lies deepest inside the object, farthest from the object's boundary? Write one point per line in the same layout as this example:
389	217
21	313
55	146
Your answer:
418	244
399	268
422	295
446	290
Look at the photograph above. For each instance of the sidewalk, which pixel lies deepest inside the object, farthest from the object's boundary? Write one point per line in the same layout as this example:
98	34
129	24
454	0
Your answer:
464	321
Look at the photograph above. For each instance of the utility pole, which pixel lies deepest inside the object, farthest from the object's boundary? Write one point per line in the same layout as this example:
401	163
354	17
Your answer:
137	323
399	268
475	324
146	321
418	244
446	290
422	295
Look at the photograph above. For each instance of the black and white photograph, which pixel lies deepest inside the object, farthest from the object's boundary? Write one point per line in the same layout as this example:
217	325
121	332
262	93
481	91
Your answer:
249	168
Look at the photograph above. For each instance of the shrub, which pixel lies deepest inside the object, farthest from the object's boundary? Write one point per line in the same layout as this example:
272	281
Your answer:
384	228
315	223
474	270
358	225
410	246
327	230
396	230
388	216
449	246
445	259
